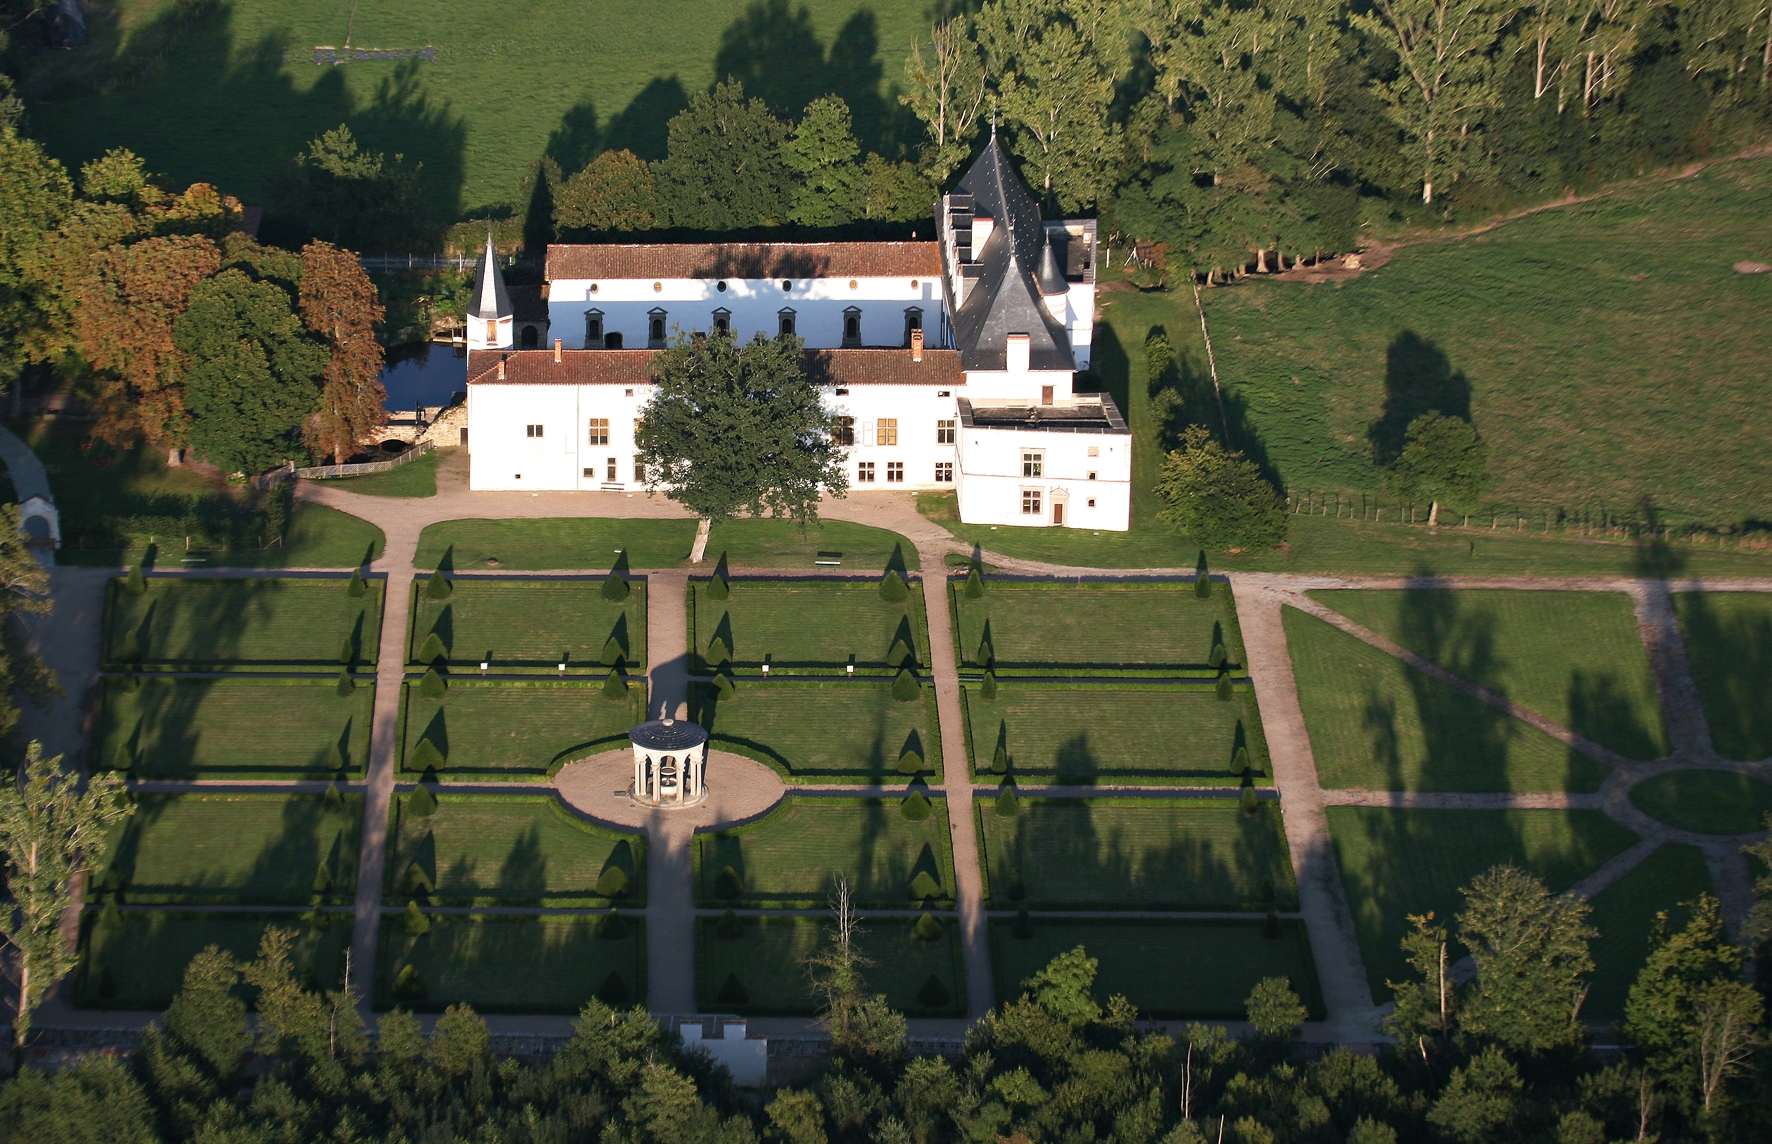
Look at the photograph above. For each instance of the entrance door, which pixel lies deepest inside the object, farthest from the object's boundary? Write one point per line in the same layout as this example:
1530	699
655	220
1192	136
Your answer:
1057	512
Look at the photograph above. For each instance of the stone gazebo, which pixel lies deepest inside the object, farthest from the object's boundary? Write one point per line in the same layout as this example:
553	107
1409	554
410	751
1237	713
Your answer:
670	763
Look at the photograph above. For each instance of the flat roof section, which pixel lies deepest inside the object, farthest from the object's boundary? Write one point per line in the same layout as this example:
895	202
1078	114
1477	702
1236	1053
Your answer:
1078	417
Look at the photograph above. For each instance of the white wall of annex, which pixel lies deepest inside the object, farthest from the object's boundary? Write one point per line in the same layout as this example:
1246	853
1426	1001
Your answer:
915	411
991	472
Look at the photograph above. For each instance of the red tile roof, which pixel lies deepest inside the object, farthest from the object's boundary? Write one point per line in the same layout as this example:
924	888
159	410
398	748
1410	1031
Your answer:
631	367
745	260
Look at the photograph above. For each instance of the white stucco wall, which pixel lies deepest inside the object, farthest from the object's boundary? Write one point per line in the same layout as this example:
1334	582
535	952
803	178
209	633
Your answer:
991	461
503	456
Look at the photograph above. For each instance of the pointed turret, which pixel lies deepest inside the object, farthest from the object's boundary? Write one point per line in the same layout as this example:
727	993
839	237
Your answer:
489	308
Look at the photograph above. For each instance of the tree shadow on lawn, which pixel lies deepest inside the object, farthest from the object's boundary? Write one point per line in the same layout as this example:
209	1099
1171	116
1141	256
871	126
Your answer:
878	872
284	868
1418	379
1183	394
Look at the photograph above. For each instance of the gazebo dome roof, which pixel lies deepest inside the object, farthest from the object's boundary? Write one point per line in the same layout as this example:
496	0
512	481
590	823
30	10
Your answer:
668	735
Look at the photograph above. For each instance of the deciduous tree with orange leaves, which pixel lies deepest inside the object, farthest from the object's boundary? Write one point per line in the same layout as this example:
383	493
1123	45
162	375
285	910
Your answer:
339	302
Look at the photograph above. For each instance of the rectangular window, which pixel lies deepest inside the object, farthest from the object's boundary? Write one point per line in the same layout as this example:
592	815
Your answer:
590	474
1030	502
610	468
895	472
888	430
1033	464
639	471
944	432
864	473
944	472
843	431
599	431
534	431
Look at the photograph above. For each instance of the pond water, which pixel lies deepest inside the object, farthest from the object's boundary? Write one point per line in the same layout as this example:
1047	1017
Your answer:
426	374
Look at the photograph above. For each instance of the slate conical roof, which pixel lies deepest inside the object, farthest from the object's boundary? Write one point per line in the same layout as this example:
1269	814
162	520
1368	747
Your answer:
1005	299
491	300
1051	277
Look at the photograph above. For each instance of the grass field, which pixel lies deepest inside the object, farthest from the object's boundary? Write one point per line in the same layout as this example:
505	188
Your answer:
550	544
809	626
1706	802
793	855
822	732
1729	644
234	728
1400	862
505	850
535	964
474	125
1042	627
1176	969
1574	657
237	848
199	625
1184	736
413	479
136	959
530	625
1378	724
769	961
509	730
1624	913
1135	854
782	544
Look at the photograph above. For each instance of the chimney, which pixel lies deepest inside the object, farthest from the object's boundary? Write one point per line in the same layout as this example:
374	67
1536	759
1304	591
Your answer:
917	345
501	368
1018	353
556	351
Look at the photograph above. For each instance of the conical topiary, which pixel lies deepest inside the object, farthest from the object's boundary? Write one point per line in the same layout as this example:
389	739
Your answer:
132	649
893	588
899	653
1008	802
347	652
426	757
416	881
135	583
934	995
905	688
926	928
1202	578
130	683
612	926
432	685
614	990
915	807
615	587
415	922
432	649
421	803
1224	689
1240	761
727	883
437	588
123	759
987	652
974	583
612	883
358	587
730	927
409	987
718	588
988	689
718	652
732	991
322	878
110	919
911	762
1000	760
1248	802
1015	886
334	799
723	685
1272	930
1024	925
613	653
1218	656
924	886
344	685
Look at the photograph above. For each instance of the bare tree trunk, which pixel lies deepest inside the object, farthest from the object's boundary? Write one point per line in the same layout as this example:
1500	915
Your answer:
1433	515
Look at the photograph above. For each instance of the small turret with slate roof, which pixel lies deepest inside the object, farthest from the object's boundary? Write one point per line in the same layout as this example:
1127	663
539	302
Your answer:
490	315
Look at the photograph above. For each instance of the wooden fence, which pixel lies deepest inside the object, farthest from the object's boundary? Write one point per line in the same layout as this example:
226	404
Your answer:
289	472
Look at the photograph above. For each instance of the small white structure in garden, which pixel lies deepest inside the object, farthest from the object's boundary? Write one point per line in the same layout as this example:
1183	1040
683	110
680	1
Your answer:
670	763
747	1058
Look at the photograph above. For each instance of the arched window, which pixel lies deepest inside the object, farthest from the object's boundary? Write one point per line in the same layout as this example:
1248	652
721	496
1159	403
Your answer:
852	326
913	320
655	329
612	340
786	318
593	329
723	321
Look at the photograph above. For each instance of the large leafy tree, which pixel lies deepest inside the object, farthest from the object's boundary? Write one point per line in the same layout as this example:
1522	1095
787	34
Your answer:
35	195
614	192
822	152
24	588
354	198
1218	497
53	828
1532	959
738	428
339	302
723	165
254	372
1443	462
946	89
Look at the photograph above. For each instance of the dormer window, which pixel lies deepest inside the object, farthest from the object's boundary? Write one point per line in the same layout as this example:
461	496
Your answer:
722	321
913	320
852	326
593	329
786	318
655	329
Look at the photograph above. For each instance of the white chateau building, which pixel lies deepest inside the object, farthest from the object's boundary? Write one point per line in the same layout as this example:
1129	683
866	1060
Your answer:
951	362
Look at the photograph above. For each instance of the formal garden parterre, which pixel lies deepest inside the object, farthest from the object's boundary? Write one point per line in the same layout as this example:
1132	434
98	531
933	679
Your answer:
501	963
527	625
1728	639
741	962
310	623
468	729
806	626
824	731
237	727
1095	627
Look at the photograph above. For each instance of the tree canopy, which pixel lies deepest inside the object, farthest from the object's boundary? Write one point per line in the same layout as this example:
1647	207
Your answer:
1443	462
1217	497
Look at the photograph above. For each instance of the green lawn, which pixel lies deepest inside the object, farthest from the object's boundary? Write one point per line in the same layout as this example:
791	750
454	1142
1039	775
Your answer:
530	625
1177	969
1729	643
1574	657
822	732
205	625
1123	853
1378	724
507	730
234	728
136	959
1040	628
413	479
508	850
475	126
534	964
1707	802
1084	735
236	848
550	544
1624	913
1400	862
783	544
769	956
793	855
814	626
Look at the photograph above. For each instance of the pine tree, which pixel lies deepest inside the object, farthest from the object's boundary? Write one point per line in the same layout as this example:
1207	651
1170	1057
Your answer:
1202	578
432	686
358	587
347	652
416	881
1216	659
1223	688
892	587
130	683
987	652
409	987
132	651
1240	761
615	688
615	587
322	879
732	991
905	688
614	990
122	760
988	689
1008	803
718	588
1000	760
1248	802
718	652
437	588
974	583
136	584
933	995
612	926
916	806
344	684
333	801
727	883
